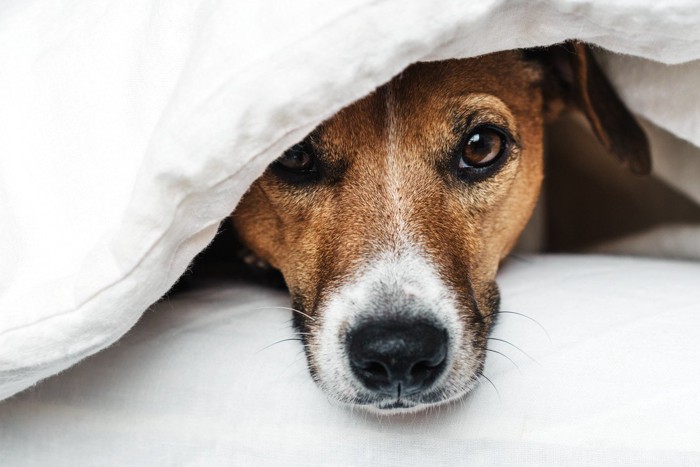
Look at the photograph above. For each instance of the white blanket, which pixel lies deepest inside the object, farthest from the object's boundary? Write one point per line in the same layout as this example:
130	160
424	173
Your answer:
130	128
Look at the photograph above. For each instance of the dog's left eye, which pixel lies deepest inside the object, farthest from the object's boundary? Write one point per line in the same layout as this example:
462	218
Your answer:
299	159
482	147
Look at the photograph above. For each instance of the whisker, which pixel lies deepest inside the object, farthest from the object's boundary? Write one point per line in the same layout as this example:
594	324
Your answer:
519	257
494	387
285	308
524	316
514	346
504	356
279	342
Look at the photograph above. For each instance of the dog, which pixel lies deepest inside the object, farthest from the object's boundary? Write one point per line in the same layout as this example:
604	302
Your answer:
389	221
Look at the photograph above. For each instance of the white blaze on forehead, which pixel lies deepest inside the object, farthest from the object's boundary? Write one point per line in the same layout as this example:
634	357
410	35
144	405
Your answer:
395	284
394	177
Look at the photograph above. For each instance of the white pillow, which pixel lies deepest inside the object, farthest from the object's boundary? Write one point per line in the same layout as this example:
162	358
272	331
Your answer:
610	378
130	128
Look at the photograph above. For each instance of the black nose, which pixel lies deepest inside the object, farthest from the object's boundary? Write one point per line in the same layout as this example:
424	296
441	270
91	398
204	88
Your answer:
397	358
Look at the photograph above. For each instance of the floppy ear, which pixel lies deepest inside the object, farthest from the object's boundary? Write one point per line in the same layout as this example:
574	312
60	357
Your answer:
582	84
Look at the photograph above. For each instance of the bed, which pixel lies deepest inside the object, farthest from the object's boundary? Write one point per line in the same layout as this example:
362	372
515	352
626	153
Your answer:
598	368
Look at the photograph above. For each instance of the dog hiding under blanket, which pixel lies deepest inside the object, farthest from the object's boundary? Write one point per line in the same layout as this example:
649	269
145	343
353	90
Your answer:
388	222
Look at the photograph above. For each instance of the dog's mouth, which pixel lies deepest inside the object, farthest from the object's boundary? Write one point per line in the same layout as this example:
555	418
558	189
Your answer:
396	337
393	405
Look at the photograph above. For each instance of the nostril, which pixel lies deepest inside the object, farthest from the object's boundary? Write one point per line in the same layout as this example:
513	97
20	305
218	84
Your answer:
397	356
375	371
425	368
376	368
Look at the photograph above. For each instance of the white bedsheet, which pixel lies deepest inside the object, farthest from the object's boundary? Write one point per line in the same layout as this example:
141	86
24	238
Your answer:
130	128
610	378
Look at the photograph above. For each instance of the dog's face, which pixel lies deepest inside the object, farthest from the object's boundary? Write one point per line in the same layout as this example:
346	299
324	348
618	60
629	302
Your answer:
388	223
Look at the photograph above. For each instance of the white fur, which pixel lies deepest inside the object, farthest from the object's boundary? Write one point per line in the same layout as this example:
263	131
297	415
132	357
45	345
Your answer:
412	278
394	175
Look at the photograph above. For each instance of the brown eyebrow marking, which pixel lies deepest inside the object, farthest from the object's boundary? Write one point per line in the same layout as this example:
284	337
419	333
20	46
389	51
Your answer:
485	108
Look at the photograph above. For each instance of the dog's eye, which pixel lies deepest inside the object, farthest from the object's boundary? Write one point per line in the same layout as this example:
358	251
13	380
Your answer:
482	147
299	158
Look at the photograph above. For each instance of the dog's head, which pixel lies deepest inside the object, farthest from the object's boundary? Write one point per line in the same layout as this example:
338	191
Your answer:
388	222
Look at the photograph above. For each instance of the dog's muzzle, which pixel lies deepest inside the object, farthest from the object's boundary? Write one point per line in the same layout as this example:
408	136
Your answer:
397	357
391	339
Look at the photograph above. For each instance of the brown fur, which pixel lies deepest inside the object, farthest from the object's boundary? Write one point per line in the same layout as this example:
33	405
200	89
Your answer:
317	236
387	170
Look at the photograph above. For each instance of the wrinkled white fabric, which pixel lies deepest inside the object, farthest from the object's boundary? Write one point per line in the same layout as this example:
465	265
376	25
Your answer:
592	376
130	128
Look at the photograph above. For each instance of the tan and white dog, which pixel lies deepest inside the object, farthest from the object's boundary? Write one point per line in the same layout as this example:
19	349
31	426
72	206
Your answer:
389	221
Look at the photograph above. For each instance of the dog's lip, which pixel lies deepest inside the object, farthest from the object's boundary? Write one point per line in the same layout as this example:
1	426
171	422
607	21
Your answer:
388	403
396	404
398	407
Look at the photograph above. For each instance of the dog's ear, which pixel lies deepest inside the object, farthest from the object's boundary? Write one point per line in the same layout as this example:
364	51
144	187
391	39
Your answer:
574	78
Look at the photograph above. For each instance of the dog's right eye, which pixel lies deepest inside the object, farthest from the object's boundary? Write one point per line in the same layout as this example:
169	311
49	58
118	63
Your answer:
482	152
297	159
